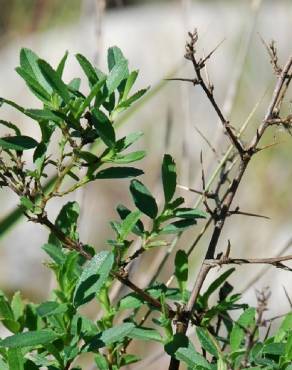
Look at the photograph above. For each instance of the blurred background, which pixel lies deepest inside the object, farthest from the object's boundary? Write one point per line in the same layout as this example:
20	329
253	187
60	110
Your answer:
174	116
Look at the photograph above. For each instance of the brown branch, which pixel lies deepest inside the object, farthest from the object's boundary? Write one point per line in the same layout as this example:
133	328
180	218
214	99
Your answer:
246	155
274	261
190	55
78	247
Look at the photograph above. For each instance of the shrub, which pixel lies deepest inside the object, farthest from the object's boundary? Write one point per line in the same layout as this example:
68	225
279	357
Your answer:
55	333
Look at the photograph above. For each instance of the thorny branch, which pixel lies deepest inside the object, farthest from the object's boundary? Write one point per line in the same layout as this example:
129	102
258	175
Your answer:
221	213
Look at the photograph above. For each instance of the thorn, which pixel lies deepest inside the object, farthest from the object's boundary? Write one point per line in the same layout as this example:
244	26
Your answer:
237	212
206	140
287	296
192	80
202	63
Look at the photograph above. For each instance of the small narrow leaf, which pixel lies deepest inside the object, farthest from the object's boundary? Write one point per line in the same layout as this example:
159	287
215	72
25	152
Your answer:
29	63
128	158
17	306
36	88
118	173
183	350
27	203
101	362
189	213
237	334
67	222
117	74
143	199
28	339
61	65
50	308
93	278
127	103
55	252
104	127
114	57
216	284
181	269
145	334
177	226
54	80
15	359
168	177
127	141
128	224
18	143
207	341
111	336
93	93
124	212
88	69
129	84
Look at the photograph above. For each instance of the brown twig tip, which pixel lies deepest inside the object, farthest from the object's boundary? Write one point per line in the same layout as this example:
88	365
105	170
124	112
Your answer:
273	53
273	261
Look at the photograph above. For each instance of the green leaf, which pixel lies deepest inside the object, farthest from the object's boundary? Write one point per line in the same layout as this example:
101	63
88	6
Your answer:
54	80
246	319
34	86
145	334
183	350
128	359
112	335
189	213
55	252
17	306
143	199
11	126
168	177
6	312
93	278
207	341
118	173
117	74
88	69
127	141
274	349
129	84
29	63
128	224
18	143
216	284
101	362
29	339
15	359
192	358
27	203
3	365
74	85
177	226
67	222
114	57
117	333
61	65
124	212
181	269
127	103
41	115
104	127
128	158
50	308
94	91
287	322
